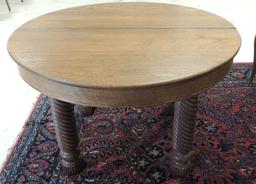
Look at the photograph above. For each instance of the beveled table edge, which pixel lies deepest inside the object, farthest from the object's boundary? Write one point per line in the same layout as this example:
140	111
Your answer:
123	97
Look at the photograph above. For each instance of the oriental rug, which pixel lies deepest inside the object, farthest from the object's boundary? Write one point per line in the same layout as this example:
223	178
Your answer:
132	145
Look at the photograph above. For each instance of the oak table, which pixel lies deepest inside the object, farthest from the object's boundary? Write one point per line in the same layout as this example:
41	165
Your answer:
124	54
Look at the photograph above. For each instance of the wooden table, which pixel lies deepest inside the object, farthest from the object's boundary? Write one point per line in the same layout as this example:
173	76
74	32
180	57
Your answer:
124	54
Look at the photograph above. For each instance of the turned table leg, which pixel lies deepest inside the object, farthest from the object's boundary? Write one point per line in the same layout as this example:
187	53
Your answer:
168	109
86	110
183	131
65	127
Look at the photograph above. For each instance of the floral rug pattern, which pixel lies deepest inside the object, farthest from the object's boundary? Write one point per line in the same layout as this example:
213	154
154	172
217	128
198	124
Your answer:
132	145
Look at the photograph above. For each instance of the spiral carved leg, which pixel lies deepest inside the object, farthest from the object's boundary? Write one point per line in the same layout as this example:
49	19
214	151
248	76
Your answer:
65	127
168	109
183	131
85	110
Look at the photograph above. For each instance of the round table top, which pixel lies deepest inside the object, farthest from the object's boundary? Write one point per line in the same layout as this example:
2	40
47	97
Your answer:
105	48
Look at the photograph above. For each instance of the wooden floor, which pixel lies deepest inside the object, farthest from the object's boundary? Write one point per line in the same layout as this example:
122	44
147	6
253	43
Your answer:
17	97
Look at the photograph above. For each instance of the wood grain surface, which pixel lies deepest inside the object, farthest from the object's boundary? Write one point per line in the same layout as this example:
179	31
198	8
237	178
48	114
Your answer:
123	54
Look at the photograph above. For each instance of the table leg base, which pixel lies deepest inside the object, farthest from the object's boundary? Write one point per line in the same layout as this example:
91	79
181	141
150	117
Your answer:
181	164
75	168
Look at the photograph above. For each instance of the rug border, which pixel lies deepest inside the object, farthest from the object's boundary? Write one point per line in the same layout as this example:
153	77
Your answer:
18	137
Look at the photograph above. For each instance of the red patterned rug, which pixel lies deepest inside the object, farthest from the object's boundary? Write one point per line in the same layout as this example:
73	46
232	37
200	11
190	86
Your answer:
133	146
